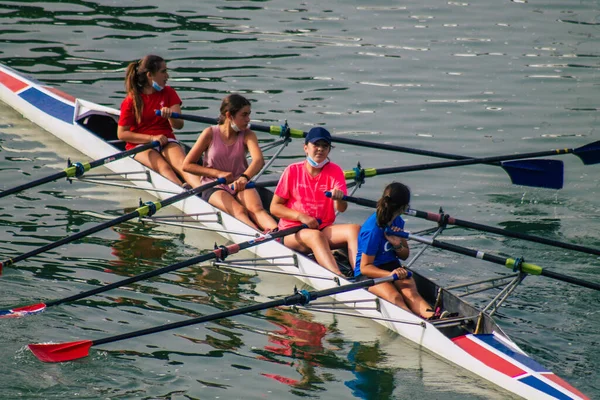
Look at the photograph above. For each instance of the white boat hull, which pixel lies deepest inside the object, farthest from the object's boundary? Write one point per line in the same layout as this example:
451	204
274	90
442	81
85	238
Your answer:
493	357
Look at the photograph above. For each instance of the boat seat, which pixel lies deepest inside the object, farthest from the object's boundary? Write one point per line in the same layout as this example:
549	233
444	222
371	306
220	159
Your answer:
103	126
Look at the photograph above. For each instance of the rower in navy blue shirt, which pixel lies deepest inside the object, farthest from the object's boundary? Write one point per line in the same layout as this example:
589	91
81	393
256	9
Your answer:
378	253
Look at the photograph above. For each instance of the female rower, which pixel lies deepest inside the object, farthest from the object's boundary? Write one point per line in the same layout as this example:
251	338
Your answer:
145	83
224	147
378	252
300	199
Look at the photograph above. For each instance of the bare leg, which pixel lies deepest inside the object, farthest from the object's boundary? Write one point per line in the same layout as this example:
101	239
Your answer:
342	235
388	291
226	202
251	200
411	295
175	155
153	160
313	240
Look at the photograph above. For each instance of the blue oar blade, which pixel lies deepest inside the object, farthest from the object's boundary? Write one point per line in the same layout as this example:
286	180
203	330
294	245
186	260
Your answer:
589	154
536	172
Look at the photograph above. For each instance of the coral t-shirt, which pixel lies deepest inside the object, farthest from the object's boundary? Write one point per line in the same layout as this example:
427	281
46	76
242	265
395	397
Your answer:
151	123
306	194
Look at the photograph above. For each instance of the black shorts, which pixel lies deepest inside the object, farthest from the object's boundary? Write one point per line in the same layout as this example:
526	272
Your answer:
209	192
388	266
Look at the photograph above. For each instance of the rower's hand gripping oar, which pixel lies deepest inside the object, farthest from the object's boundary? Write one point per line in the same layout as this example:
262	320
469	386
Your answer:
514	264
148	209
60	352
78	169
219	253
446	219
536	173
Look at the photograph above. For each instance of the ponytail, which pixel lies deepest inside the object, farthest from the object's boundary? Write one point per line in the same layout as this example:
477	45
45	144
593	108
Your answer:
136	79
396	196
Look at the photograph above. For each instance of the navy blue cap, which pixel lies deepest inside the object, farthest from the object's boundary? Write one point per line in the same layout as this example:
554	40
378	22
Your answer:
316	134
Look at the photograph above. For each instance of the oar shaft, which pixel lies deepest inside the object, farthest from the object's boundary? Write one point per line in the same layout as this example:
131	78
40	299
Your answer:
139	212
124	154
298	298
570	279
217	253
401	149
447	164
37	182
441	218
76	171
543	173
486	228
300	134
511	263
69	239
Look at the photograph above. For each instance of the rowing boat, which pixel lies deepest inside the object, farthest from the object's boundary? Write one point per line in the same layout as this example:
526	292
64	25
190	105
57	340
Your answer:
473	341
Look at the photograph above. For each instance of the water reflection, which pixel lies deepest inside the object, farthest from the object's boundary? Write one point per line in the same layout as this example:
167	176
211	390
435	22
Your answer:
370	382
300	339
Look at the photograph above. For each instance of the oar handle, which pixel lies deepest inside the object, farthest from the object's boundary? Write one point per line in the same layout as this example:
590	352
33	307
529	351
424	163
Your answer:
195	118
356	200
389	231
256	185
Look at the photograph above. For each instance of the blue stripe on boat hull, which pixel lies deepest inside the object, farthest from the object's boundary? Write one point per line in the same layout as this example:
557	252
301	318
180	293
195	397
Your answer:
49	104
490	340
545	388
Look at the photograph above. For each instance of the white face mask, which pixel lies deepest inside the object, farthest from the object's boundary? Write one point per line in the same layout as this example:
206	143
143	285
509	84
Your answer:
234	127
315	164
156	86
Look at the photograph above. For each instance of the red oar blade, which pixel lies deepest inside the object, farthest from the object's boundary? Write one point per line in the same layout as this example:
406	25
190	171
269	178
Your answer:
59	352
536	172
589	154
22	311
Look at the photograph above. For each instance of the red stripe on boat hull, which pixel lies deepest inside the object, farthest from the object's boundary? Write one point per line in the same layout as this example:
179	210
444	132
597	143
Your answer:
559	381
60	93
487	357
11	82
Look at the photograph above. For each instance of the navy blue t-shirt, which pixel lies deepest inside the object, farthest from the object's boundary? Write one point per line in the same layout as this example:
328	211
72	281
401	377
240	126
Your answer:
372	242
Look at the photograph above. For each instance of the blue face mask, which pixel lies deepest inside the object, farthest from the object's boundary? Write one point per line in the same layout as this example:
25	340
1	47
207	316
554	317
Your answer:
315	164
157	87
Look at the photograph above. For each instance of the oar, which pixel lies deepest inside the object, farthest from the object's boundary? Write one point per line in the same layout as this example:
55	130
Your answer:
60	352
536	173
589	154
78	169
548	174
444	218
514	264
148	209
221	253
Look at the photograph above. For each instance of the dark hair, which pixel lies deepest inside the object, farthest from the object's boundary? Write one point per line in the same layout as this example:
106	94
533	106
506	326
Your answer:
396	196
232	103
136	79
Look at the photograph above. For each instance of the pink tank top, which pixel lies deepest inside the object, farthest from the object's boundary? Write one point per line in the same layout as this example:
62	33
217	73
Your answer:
230	158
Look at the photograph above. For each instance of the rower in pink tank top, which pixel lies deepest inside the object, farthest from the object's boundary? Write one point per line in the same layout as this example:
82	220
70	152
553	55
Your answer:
224	157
